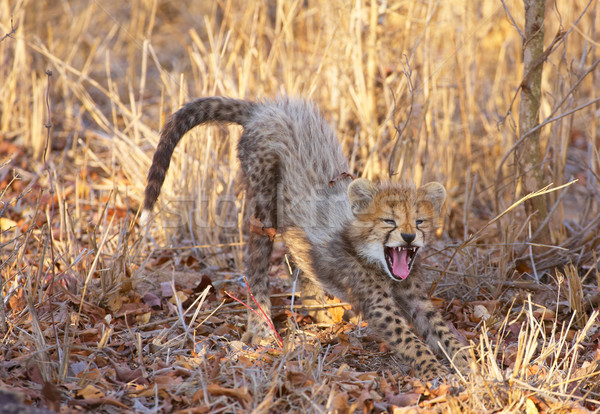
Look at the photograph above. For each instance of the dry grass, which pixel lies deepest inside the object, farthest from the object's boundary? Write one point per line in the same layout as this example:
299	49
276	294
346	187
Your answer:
75	268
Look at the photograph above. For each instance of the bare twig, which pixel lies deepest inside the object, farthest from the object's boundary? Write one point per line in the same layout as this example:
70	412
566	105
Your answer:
227	308
10	34
512	20
551	118
476	235
539	126
560	37
48	126
400	130
262	313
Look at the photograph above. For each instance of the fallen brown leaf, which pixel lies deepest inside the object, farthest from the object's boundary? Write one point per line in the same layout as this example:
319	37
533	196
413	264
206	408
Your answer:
126	374
51	394
90	392
241	393
404	400
90	402
152	300
298	379
340	403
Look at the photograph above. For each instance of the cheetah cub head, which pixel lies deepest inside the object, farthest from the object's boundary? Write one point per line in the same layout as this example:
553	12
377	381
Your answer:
391	222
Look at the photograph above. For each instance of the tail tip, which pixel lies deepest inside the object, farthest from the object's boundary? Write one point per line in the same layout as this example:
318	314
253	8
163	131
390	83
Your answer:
145	217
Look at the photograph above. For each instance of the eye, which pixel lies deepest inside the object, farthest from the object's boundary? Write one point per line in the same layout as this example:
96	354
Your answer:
419	222
391	222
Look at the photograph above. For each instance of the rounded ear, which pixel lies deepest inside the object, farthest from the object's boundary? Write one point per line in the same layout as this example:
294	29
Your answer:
361	193
435	193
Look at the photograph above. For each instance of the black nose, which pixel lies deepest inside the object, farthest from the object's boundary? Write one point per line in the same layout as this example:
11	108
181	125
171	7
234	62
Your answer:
408	237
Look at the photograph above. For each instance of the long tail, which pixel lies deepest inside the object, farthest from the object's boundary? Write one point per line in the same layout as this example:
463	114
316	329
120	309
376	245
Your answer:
202	110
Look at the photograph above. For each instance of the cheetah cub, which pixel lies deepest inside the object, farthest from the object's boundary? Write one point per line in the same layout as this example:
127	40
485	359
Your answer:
353	239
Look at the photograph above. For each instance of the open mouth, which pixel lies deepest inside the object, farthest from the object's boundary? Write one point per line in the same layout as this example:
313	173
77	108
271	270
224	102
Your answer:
400	260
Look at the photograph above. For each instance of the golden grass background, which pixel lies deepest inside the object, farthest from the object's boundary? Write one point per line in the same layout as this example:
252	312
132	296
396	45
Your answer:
443	72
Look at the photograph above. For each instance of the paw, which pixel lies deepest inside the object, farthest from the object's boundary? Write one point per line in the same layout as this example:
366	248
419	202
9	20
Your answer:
430	369
434	373
323	316
460	361
258	334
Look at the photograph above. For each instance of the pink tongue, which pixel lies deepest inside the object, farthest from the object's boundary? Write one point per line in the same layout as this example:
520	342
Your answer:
400	263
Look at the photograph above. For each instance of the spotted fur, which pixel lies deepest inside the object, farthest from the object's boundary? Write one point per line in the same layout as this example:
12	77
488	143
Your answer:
340	232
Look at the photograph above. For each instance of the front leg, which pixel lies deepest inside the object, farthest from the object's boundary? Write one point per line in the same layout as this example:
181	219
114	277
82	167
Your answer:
313	294
385	317
430	325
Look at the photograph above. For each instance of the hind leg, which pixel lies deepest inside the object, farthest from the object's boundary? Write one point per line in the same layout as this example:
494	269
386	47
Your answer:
261	179
256	261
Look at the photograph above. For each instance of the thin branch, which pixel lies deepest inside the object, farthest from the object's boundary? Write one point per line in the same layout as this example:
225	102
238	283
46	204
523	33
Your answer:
547	189
262	315
548	120
569	93
400	131
560	36
10	34
556	118
512	20
48	125
531	131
